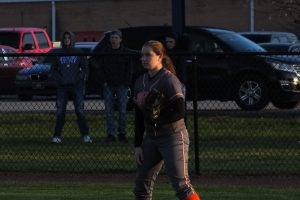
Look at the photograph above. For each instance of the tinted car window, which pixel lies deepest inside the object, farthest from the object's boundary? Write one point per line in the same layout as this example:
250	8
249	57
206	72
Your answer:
200	44
239	43
259	38
28	39
274	37
42	40
10	39
274	48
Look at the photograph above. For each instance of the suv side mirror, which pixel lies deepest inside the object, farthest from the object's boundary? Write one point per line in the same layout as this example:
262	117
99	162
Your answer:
28	47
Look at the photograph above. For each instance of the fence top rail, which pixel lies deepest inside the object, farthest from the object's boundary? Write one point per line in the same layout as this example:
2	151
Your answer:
139	54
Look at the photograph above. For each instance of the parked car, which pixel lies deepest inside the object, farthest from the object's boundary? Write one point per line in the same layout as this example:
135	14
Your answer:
37	80
224	71
9	67
270	37
280	47
26	39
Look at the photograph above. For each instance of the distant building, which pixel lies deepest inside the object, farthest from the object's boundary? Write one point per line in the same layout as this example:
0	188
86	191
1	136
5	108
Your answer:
94	17
88	36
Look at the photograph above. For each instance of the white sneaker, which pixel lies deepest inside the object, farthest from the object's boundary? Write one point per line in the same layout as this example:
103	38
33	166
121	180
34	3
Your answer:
87	139
56	140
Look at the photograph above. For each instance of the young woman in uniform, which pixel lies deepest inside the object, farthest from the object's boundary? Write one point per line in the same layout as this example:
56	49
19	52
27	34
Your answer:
160	132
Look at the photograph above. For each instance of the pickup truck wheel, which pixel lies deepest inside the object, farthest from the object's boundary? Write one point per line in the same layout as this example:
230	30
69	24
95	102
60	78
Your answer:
251	93
285	105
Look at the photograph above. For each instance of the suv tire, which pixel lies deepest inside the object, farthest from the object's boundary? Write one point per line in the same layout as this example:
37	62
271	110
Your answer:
251	93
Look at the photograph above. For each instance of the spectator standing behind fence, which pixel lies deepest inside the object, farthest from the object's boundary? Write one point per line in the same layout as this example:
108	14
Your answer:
70	72
172	47
159	113
116	74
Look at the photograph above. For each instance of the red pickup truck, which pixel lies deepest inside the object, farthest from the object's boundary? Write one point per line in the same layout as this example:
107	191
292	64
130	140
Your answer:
26	39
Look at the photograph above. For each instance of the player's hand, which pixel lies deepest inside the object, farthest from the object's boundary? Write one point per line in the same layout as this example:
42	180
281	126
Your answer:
138	154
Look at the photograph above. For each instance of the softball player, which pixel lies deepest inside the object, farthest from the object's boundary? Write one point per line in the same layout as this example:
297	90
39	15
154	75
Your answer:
160	131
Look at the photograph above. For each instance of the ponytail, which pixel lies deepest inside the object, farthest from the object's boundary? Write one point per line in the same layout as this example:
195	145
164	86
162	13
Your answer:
168	64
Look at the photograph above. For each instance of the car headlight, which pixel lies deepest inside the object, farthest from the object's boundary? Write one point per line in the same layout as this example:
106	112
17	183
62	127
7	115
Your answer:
283	67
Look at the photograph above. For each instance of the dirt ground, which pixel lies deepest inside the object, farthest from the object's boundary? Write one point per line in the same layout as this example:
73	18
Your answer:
274	181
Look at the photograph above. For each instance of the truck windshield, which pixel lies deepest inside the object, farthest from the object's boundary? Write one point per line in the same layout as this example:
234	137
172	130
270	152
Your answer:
10	39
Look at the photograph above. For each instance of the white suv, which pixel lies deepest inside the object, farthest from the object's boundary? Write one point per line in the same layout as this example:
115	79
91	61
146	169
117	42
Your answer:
270	37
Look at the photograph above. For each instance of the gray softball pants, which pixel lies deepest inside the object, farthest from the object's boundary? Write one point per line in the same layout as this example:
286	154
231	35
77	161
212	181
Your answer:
172	150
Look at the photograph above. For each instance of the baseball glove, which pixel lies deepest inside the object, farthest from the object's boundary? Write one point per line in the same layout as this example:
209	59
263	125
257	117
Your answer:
155	103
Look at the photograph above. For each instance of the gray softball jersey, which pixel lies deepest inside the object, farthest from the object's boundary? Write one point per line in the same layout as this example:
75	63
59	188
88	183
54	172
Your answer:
166	144
167	83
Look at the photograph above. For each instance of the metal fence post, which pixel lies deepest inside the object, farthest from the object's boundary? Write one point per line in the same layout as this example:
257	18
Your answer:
195	113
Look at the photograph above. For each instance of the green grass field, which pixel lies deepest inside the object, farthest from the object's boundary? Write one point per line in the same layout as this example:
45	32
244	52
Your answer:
228	145
117	191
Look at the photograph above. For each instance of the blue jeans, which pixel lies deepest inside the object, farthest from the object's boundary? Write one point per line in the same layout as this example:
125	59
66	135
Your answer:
114	95
76	93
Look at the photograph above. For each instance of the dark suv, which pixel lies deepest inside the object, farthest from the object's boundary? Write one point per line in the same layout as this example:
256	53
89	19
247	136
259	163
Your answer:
225	68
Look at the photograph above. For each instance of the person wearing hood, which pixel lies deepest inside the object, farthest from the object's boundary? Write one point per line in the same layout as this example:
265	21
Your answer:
115	72
70	69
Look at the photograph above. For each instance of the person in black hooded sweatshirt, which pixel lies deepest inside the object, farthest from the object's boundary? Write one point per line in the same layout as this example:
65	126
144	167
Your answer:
70	71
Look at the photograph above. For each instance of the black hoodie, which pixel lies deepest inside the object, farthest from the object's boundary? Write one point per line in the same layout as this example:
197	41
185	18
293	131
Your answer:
68	69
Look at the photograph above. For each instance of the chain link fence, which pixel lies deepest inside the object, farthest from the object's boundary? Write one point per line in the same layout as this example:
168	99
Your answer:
247	124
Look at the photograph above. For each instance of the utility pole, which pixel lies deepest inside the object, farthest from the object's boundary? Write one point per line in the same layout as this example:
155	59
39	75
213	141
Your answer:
53	8
251	6
178	16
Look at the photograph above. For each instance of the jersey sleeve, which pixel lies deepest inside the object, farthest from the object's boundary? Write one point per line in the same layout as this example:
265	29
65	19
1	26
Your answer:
173	88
